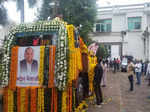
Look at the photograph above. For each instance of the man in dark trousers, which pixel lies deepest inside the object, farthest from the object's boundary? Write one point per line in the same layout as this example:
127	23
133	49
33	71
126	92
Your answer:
130	70
97	81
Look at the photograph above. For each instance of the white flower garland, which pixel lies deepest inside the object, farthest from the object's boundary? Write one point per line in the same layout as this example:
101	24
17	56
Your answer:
55	25
61	66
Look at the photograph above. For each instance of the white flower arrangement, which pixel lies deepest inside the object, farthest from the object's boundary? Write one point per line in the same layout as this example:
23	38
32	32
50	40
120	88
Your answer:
55	25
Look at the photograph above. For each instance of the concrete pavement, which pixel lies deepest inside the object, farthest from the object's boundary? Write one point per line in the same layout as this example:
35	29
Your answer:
120	99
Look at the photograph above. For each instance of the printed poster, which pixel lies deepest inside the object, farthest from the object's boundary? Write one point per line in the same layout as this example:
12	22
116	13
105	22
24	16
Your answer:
28	64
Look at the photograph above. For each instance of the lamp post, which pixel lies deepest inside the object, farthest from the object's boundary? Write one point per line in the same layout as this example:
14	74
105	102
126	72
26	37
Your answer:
123	33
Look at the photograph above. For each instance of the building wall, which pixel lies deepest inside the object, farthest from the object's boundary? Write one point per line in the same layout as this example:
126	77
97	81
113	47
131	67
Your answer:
133	45
148	20
118	23
133	42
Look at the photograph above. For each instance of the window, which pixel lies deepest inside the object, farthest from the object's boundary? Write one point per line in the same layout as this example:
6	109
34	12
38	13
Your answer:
104	25
134	23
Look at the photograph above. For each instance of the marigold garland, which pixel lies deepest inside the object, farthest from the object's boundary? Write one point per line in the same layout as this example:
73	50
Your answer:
52	100
33	103
18	99
69	102
55	100
10	101
13	68
40	104
64	101
22	99
52	51
54	103
82	105
26	99
79	59
5	101
83	47
90	74
41	67
72	56
92	64
42	100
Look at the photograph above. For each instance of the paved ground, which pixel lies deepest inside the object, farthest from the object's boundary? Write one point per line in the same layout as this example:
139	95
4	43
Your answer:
119	99
137	100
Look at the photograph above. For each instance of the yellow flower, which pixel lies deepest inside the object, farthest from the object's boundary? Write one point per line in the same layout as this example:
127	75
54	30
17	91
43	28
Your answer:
41	67
83	111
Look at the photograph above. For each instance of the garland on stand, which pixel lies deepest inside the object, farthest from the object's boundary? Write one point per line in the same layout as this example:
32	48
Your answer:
92	64
33	97
64	60
40	103
41	67
69	98
52	51
54	100
10	101
79	59
61	65
72	74
83	105
56	25
26	99
18	100
13	68
64	101
5	100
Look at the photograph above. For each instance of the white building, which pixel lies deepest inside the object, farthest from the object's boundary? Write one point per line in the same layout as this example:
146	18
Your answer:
120	28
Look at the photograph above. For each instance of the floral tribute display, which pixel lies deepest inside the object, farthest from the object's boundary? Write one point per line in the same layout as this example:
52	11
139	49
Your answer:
92	63
59	62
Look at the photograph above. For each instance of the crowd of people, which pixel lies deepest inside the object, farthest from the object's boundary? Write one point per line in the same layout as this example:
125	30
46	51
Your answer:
134	67
138	68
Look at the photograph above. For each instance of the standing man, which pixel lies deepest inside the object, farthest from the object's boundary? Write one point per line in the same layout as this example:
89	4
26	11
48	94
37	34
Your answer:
138	69
28	65
115	65
130	70
148	73
97	81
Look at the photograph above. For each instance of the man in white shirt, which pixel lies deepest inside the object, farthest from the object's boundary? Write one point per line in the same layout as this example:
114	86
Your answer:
138	70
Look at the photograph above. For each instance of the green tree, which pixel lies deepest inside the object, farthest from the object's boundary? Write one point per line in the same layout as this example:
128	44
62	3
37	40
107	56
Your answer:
102	52
46	10
80	13
3	13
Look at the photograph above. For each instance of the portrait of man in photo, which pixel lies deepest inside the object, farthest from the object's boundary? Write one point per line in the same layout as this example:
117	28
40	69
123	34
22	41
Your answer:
29	65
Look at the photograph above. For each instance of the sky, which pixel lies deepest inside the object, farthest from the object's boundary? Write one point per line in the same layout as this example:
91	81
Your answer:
14	15
30	13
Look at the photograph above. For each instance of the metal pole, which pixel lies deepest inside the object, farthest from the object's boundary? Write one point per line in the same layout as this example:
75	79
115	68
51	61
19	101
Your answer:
123	33
22	12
